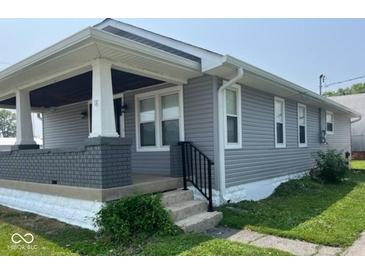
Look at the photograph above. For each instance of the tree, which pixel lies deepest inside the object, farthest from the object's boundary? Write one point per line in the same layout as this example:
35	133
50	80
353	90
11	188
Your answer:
354	89
7	123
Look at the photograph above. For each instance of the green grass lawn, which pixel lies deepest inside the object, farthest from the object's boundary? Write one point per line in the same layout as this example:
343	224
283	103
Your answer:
358	164
55	238
304	209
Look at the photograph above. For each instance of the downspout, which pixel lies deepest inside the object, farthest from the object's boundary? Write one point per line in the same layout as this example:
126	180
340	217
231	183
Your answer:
221	134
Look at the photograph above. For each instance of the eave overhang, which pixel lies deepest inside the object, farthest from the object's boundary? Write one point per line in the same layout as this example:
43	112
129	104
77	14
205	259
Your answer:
73	56
261	80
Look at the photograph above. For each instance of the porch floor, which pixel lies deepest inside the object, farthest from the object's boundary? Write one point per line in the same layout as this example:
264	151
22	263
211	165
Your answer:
142	184
149	178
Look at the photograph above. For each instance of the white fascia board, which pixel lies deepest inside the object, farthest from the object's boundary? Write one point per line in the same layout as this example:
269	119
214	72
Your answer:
233	63
208	58
47	52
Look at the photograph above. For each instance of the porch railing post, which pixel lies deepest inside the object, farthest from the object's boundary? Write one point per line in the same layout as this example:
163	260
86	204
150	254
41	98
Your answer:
210	205
183	155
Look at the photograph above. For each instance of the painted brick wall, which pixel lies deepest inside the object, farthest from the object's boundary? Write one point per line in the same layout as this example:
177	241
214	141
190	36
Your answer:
100	163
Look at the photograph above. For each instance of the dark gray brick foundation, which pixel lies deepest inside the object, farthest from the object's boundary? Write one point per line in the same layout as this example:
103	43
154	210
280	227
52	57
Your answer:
175	161
100	163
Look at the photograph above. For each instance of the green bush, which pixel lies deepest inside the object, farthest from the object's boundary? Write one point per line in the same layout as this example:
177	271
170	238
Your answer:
135	217
330	168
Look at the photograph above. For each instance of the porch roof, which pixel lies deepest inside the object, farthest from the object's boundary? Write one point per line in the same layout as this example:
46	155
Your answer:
73	56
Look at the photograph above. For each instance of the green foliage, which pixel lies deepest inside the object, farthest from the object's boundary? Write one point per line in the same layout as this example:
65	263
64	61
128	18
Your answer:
135	217
56	238
7	123
358	164
331	167
305	209
354	89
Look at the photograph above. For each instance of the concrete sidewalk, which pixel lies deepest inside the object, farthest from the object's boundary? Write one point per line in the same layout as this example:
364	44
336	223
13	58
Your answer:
295	247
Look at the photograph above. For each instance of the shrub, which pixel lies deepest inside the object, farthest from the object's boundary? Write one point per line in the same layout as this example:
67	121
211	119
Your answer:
135	217
331	167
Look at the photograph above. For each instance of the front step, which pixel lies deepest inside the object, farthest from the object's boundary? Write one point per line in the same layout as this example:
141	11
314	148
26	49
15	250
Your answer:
185	209
200	222
190	215
178	196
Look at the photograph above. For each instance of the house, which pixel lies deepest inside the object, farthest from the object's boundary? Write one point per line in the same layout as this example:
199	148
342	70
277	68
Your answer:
126	110
357	103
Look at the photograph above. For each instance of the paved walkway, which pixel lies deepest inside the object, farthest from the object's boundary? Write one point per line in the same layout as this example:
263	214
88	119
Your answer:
296	247
357	248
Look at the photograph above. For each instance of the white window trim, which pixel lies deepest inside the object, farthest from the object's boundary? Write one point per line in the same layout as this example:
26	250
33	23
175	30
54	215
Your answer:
237	145
277	145
305	126
157	94
333	122
122	120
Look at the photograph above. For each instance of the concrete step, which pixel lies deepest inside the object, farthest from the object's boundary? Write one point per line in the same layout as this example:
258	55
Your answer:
186	209
200	222
177	196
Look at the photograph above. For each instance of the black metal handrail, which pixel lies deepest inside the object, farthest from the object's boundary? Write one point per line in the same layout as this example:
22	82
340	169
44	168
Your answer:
197	169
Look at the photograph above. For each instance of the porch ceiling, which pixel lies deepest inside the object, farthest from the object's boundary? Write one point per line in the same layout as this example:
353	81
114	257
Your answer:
79	88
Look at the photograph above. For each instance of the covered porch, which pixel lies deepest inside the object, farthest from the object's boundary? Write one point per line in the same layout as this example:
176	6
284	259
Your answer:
94	149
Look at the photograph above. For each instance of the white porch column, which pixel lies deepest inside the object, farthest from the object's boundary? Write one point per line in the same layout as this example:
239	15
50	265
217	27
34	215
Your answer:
103	120
24	127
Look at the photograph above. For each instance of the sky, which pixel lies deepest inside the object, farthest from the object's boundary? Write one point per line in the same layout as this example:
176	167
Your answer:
298	50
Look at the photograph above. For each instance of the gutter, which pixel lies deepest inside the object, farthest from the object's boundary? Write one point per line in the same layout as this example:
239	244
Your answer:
356	120
221	134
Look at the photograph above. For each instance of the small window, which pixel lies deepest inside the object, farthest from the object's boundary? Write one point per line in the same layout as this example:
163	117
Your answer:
279	109
302	125
232	113
329	122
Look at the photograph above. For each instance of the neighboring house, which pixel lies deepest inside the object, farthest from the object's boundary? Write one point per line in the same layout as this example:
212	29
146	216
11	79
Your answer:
357	103
117	99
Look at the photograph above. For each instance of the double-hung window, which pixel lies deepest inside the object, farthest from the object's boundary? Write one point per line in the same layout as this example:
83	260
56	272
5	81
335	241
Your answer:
302	125
279	109
232	117
329	122
159	119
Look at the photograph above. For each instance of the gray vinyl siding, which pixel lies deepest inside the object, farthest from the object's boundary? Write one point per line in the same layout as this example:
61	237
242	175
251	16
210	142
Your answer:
259	159
65	127
198	125
199	115
143	162
341	139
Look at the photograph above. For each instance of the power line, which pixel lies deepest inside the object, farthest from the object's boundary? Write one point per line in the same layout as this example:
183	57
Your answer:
344	81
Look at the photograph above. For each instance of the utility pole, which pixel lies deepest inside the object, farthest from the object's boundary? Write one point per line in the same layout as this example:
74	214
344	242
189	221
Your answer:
322	78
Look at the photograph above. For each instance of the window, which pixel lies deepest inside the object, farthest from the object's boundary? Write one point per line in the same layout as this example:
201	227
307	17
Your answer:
232	117
279	109
159	119
147	125
329	122
302	125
